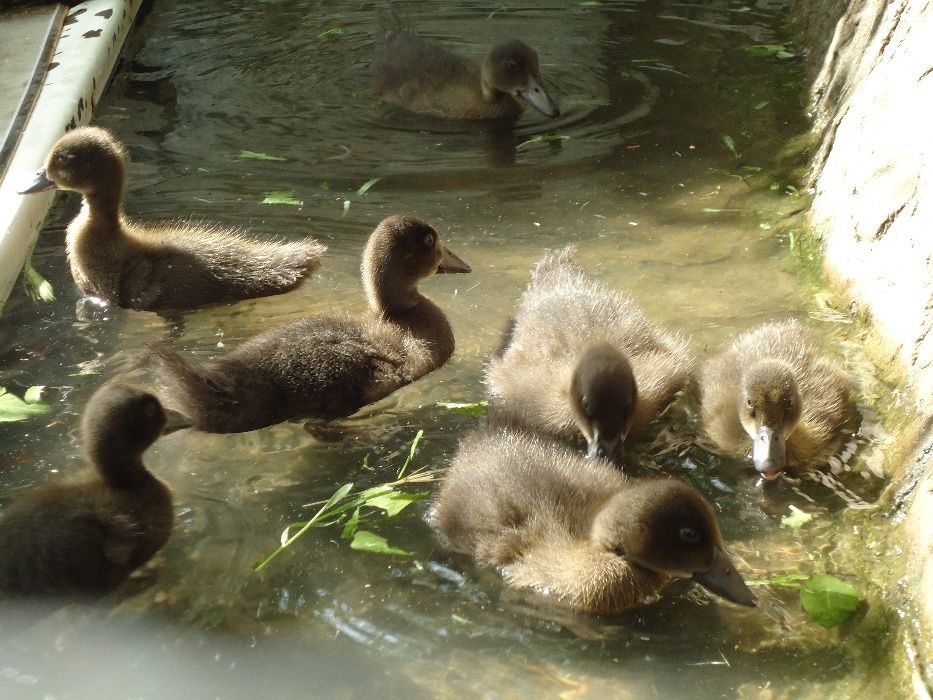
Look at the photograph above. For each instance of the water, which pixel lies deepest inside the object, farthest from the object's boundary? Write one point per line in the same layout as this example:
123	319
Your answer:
645	185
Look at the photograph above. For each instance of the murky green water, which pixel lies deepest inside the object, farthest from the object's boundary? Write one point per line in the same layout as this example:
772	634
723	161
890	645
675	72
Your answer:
658	204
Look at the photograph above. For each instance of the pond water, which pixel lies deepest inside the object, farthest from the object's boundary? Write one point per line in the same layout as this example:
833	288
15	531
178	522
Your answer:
676	184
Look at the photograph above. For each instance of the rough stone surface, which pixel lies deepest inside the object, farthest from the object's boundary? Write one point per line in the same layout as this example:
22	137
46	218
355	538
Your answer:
873	208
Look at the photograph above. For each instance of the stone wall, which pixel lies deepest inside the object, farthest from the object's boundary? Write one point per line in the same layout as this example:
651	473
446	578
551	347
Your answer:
872	178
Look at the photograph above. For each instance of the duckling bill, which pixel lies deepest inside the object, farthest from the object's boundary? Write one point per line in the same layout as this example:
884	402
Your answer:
86	538
576	529
421	76
162	266
327	366
773	394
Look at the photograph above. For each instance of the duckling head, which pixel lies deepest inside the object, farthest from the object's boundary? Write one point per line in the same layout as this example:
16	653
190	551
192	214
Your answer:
666	525
603	396
88	160
512	67
402	251
120	423
769	410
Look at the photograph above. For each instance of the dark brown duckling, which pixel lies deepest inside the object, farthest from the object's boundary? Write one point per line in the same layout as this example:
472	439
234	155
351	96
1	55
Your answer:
582	359
421	76
162	266
576	529
86	538
774	394
331	365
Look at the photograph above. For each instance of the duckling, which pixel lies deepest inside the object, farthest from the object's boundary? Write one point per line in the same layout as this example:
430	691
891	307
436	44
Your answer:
582	359
162	266
772	392
86	538
328	366
577	529
421	76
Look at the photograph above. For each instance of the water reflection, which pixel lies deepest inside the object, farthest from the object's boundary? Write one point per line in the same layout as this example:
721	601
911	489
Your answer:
659	207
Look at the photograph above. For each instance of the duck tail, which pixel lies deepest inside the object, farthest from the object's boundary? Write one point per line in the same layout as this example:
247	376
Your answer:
553	265
195	389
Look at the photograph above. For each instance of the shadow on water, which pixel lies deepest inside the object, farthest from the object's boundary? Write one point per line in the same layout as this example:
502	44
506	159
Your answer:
642	179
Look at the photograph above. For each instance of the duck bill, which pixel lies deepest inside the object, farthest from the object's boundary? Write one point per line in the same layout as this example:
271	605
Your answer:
535	95
768	452
602	447
175	421
451	263
723	580
40	183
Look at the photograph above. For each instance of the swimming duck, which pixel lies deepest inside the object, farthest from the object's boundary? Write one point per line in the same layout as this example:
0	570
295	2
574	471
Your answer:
86	538
772	392
331	365
421	76
576	529
162	266
582	359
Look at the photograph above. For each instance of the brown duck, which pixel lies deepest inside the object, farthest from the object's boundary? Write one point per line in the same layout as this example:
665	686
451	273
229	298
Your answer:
576	529
771	392
331	365
157	267
421	76
86	538
582	359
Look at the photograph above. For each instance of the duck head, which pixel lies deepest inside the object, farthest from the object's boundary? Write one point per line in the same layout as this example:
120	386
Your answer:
769	410
120	423
88	160
402	251
512	67
666	525
603	396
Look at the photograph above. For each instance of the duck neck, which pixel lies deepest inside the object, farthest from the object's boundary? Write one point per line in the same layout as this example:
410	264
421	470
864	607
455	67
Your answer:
104	205
119	471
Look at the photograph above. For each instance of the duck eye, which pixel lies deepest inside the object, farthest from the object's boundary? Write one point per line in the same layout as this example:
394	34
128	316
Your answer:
690	534
512	64
429	240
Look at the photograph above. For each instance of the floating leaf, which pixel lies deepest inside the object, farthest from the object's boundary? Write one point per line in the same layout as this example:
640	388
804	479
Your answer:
330	33
828	600
256	155
474	408
411	453
366	541
365	187
37	287
346	207
797	519
791	579
779	51
324	186
13	408
282	197
352	525
394	502
730	144
762	104
544	138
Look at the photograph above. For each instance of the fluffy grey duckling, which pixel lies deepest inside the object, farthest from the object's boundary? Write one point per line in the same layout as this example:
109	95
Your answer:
772	392
422	76
155	267
86	538
331	365
582	359
576	529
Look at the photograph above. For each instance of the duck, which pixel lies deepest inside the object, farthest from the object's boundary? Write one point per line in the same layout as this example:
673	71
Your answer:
421	76
582	363
330	365
157	267
576	529
86	538
774	394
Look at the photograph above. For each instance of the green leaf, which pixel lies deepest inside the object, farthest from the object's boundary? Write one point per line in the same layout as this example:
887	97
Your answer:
13	408
779	51
762	104
411	453
37	287
366	541
282	197
730	144
324	186
394	502
33	394
256	155
346	207
544	138
474	408
331	33
791	579
796	520
828	600
365	187
351	526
